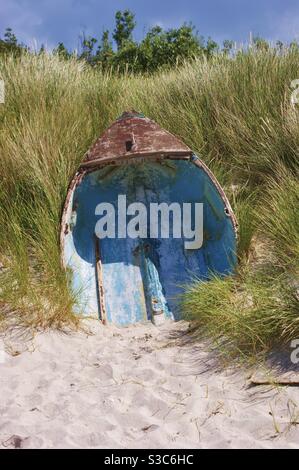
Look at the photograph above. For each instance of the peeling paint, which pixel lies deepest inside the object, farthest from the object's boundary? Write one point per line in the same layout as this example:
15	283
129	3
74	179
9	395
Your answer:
127	280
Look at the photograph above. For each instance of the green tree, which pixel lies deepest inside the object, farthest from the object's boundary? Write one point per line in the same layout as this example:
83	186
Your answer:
62	51
294	46
87	48
227	46
10	38
105	51
260	44
10	43
128	58
279	45
211	47
124	26
169	47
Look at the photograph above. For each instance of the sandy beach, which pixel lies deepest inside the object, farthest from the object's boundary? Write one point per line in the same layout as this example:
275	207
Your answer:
134	387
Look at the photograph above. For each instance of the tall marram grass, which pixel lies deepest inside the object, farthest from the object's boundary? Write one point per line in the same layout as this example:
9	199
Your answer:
52	112
244	315
235	112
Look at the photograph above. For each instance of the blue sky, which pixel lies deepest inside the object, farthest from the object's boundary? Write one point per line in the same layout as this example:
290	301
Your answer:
51	21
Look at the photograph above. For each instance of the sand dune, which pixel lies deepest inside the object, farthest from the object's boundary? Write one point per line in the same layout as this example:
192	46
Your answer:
134	388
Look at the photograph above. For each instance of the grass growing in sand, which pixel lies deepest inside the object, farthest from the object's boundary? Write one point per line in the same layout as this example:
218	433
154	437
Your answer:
235	112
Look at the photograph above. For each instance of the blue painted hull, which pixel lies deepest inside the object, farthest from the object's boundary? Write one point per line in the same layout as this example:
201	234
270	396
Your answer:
140	276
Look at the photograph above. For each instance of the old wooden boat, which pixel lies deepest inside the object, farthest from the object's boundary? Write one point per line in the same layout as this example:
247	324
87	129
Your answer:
124	280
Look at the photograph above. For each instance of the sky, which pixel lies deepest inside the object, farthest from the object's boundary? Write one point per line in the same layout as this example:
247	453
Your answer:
48	22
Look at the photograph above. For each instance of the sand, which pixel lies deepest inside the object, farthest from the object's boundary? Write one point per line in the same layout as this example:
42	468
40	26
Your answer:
134	387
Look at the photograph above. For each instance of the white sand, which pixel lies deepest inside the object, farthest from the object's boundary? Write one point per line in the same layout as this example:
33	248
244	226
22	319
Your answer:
122	388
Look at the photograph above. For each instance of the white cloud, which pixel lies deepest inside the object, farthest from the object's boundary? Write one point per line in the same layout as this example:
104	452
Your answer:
169	23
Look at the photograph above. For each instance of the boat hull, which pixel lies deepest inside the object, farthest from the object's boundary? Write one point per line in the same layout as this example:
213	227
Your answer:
128	280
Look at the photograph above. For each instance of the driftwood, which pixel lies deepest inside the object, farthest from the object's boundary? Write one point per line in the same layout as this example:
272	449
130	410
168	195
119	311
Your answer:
268	377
